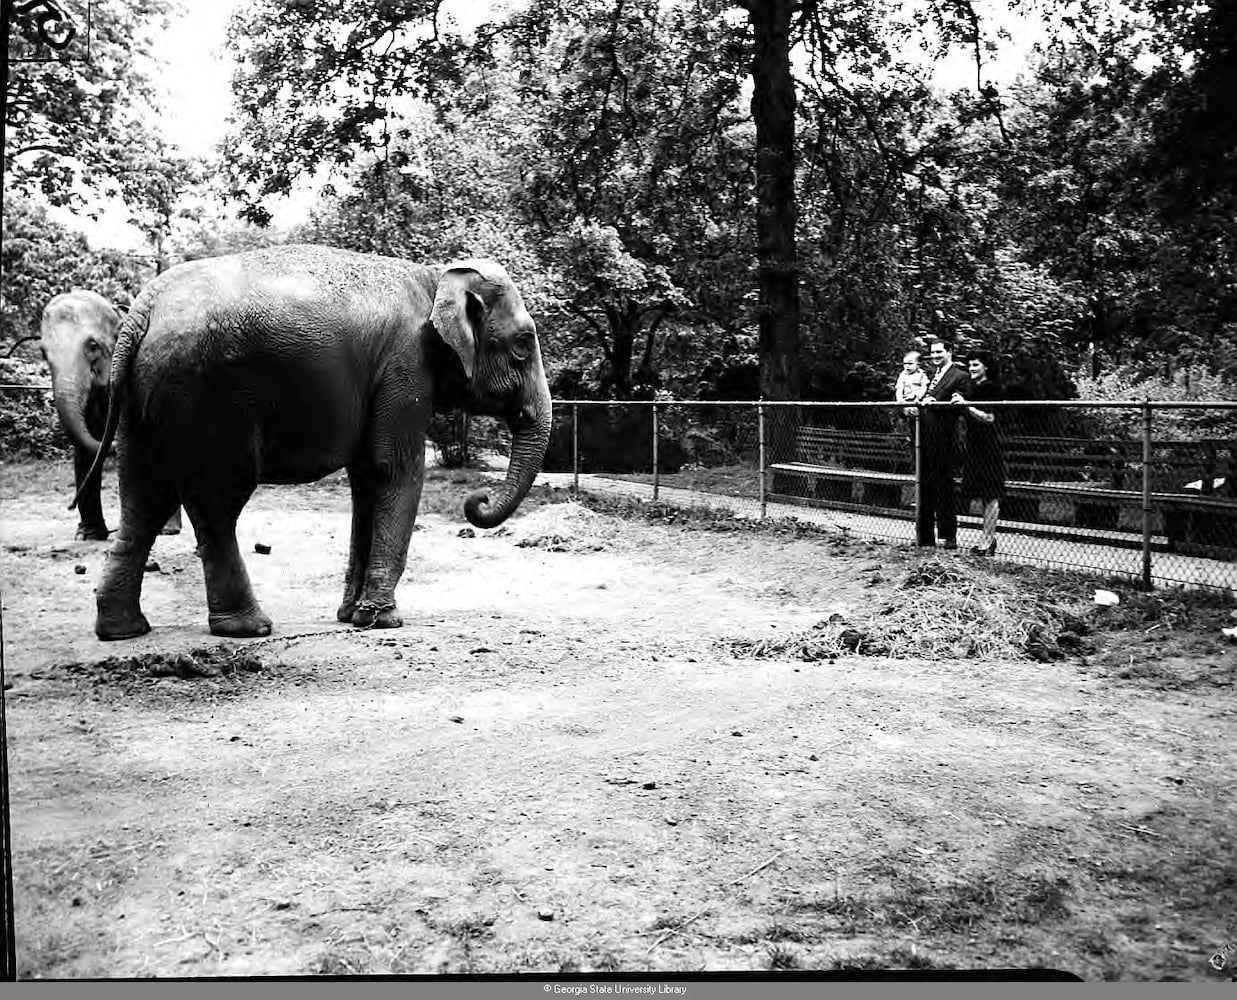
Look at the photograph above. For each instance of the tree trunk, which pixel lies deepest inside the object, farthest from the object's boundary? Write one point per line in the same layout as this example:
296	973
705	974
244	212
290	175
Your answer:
624	324
773	110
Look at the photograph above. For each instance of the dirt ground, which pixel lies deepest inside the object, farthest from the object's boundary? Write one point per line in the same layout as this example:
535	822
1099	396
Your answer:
560	764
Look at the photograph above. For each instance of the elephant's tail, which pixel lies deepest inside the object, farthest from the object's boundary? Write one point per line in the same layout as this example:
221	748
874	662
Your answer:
129	336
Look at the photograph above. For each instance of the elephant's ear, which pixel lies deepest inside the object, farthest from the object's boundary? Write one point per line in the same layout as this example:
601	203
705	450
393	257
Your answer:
462	295
112	318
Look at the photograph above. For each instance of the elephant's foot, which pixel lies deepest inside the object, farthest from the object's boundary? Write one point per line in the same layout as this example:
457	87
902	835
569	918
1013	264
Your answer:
92	533
346	611
370	615
173	525
240	625
111	627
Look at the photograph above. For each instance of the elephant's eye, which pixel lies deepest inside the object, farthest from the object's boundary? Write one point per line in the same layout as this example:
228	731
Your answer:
522	346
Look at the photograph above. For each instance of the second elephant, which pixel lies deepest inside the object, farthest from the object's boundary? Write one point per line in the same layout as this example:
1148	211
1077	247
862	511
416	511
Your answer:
285	364
76	337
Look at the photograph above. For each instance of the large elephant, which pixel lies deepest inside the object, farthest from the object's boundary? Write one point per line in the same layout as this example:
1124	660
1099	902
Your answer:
284	364
77	336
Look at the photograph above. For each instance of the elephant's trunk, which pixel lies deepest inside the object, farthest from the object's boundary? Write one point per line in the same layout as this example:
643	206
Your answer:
70	397
528	445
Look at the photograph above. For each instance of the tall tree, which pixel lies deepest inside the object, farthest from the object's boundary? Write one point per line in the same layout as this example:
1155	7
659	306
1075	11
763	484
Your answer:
1193	148
828	32
635	174
1190	168
61	116
154	179
773	111
1094	189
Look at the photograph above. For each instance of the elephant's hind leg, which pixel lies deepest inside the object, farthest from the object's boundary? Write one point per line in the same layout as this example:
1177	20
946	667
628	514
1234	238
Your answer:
233	609
147	498
362	535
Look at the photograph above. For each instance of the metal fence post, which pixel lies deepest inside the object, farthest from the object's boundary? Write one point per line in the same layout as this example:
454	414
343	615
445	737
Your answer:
916	425
656	473
760	435
575	448
1146	494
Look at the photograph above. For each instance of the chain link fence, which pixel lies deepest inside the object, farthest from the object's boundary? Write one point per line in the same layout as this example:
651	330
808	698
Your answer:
1143	491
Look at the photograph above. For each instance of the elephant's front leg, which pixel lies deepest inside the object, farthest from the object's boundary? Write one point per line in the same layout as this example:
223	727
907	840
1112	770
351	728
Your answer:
146	499
91	525
358	549
395	502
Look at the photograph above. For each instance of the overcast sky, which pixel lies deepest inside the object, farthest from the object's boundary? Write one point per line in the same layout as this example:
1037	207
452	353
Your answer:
195	74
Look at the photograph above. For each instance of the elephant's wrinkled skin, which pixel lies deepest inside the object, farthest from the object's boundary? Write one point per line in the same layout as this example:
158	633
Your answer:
285	364
77	337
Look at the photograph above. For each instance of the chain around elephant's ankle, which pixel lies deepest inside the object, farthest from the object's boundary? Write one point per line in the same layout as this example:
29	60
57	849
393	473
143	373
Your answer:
374	608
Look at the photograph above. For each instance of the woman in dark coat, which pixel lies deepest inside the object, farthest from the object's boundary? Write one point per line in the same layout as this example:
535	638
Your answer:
983	472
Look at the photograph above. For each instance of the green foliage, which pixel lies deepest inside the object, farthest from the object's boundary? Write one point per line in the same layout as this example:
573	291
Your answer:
153	180
440	190
1192	104
40	258
322	85
62	117
29	427
905	242
637	182
449	434
733	372
1130	384
1083	189
460	438
213	235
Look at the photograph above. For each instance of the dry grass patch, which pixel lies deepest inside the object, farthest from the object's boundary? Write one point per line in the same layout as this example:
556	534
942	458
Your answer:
941	608
562	527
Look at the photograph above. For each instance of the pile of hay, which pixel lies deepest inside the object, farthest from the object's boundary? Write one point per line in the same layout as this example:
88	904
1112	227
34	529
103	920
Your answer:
941	609
562	527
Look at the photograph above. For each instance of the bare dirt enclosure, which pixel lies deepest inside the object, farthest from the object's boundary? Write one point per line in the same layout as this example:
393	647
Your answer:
566	761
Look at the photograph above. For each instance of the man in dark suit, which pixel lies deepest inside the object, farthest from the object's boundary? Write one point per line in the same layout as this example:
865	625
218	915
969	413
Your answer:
938	443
